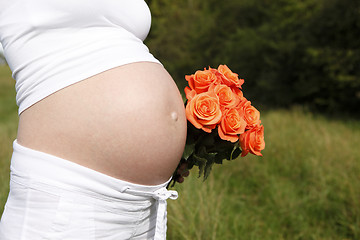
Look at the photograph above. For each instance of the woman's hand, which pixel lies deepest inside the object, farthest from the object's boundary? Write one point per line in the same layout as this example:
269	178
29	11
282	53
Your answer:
182	172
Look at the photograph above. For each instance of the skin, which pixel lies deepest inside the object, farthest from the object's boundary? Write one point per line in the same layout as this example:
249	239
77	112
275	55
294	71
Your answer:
128	122
183	172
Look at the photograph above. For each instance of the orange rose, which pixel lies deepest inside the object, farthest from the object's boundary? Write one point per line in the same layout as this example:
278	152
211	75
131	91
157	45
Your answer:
252	141
190	94
232	124
203	111
227	97
228	77
251	114
238	93
201	80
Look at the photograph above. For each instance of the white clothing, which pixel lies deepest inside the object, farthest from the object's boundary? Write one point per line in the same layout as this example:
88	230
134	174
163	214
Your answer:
55	199
52	44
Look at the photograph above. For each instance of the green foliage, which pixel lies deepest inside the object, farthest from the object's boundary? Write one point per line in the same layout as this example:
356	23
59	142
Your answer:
289	51
204	149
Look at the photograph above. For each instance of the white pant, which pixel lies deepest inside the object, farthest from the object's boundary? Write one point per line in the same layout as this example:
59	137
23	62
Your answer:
55	199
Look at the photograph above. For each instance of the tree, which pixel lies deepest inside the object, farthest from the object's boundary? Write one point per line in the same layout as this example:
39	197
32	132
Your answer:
288	51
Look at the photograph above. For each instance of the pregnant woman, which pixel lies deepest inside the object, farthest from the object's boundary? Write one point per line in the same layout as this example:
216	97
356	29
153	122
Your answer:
101	123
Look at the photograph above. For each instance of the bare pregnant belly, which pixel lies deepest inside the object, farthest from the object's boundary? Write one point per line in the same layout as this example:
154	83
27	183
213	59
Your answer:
128	122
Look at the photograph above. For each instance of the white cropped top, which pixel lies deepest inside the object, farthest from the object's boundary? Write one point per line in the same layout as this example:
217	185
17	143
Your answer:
51	44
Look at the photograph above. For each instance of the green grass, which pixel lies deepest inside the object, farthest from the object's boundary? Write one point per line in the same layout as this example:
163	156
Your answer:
307	185
8	127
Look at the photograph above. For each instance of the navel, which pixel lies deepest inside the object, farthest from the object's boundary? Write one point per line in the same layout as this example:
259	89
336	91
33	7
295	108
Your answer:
174	116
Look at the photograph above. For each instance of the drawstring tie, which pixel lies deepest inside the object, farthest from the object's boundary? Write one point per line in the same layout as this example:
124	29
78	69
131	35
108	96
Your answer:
160	195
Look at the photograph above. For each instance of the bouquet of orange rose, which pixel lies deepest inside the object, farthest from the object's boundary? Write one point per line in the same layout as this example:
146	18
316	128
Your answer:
223	123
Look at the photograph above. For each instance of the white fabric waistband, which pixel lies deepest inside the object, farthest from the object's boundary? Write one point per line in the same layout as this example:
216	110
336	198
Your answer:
36	166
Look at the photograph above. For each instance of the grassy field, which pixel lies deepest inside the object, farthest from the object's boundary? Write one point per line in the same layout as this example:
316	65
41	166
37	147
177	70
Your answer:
8	127
307	185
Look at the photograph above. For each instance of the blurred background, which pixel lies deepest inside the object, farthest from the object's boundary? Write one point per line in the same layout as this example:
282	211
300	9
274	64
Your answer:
2	58
289	52
301	63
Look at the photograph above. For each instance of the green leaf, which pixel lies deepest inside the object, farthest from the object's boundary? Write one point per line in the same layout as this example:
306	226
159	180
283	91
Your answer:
235	153
222	145
219	159
207	160
203	152
200	162
207	140
190	161
224	153
189	149
208	168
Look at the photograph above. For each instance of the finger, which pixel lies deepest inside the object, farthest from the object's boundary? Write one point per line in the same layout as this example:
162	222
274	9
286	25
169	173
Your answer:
183	166
180	179
185	174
